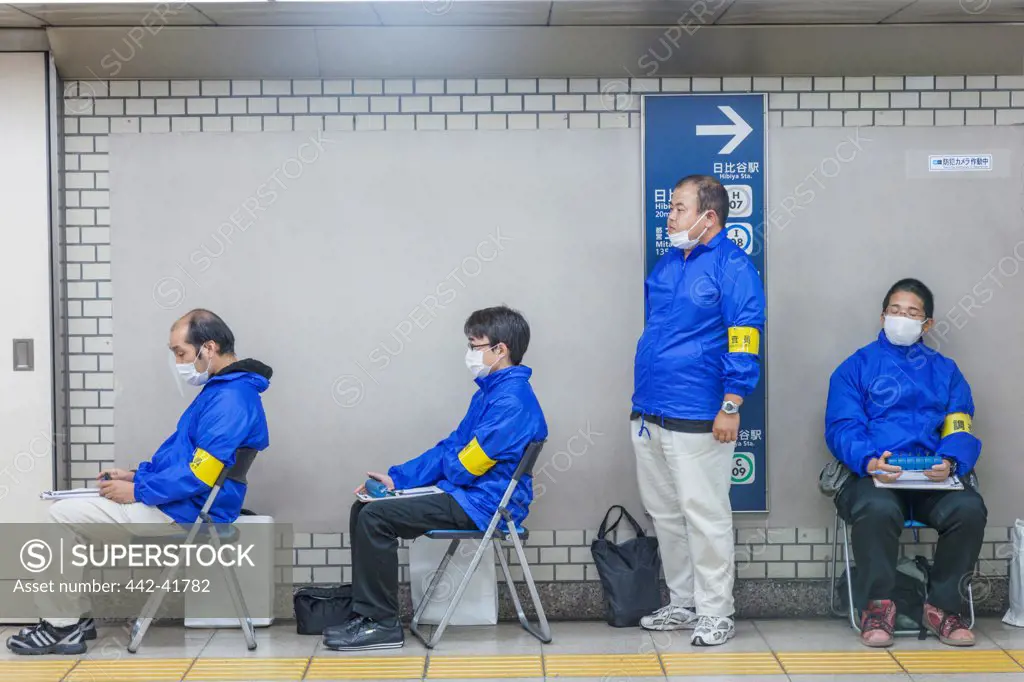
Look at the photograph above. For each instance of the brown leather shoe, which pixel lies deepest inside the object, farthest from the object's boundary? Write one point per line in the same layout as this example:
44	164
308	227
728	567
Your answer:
950	628
877	623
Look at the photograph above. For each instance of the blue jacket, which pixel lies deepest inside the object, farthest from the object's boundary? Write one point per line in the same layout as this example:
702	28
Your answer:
904	399
701	339
476	462
225	416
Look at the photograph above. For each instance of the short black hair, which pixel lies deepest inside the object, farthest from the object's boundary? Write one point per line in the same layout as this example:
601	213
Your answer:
711	195
204	326
501	325
916	287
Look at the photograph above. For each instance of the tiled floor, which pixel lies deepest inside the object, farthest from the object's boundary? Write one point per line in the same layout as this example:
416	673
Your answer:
763	651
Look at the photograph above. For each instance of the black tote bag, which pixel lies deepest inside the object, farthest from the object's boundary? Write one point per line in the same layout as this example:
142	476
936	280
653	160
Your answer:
317	608
629	572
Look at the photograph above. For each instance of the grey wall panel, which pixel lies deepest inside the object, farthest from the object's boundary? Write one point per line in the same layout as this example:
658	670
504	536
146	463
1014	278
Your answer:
848	220
353	281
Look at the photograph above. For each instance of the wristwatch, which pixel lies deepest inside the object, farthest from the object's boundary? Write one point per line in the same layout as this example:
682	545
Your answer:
729	407
952	465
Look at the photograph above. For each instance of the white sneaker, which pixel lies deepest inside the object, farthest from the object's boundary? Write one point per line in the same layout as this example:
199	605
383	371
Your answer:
670	617
712	631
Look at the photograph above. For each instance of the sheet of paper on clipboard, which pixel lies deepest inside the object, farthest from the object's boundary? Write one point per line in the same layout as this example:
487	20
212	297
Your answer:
400	494
72	494
916	480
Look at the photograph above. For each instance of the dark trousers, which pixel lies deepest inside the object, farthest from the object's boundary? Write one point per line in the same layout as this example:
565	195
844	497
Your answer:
375	528
876	517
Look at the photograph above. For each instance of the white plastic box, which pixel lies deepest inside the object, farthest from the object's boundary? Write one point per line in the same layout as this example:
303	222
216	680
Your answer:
257	588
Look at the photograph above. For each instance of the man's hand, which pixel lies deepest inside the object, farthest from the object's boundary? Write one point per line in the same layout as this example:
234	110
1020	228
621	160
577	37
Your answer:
122	492
117	475
383	478
879	464
939	472
726	427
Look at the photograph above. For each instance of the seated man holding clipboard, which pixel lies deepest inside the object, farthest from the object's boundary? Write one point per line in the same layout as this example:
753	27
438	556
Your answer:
897	397
471	469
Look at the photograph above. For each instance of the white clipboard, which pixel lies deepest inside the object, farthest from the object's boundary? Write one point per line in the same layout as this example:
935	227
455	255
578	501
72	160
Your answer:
72	494
401	494
916	480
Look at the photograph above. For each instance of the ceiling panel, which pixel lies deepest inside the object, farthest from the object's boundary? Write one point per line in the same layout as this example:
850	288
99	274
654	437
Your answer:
291	14
944	11
13	18
464	13
116	14
811	11
637	12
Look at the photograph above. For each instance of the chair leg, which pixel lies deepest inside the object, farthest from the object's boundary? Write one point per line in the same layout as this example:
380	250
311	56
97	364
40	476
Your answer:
235	592
835	604
414	627
849	576
485	545
499	550
149	610
543	630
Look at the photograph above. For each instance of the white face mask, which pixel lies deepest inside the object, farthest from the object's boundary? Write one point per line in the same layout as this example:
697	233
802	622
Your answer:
475	363
902	331
681	240
191	375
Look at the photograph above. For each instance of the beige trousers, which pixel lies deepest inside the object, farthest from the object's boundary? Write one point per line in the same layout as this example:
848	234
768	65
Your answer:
684	482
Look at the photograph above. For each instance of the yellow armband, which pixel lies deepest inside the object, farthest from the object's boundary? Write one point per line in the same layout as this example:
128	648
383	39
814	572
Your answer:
744	340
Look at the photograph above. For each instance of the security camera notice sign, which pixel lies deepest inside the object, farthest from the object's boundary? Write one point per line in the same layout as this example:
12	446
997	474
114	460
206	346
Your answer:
959	162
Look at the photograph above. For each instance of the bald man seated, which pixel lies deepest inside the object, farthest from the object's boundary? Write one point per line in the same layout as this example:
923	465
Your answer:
172	487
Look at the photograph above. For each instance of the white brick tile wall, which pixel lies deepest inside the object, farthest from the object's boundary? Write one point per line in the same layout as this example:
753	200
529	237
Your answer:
454	104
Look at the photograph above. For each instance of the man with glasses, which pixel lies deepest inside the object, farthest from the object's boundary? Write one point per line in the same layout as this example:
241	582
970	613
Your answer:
898	396
473	466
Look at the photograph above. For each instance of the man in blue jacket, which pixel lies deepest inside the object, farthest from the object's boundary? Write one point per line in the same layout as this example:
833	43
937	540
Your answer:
173	486
896	395
695	363
473	466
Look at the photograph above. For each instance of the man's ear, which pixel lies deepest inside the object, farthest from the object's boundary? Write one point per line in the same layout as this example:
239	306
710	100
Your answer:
929	323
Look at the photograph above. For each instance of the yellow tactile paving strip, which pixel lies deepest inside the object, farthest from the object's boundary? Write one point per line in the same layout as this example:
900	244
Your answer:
846	662
244	669
367	668
484	667
130	670
602	665
35	671
721	664
967	661
607	666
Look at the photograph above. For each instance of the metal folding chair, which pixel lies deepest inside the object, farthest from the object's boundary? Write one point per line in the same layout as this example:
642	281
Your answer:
215	535
494	535
836	605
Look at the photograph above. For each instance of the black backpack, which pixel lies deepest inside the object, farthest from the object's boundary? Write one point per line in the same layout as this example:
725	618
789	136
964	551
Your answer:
910	592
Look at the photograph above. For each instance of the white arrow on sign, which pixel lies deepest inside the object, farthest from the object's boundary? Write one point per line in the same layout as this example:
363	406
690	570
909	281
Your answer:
739	130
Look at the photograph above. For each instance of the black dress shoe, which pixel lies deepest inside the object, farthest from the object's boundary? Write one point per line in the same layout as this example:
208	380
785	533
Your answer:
362	633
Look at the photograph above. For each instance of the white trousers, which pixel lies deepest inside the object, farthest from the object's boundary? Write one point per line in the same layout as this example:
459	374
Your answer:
684	484
100	520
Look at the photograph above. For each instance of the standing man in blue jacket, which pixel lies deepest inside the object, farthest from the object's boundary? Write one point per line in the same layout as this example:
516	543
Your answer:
695	363
473	466
172	487
897	395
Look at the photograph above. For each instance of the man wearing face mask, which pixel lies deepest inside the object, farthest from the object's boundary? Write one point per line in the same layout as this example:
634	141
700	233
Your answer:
695	363
896	395
171	487
473	466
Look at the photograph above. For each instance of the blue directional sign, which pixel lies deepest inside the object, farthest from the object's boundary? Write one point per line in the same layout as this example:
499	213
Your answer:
721	135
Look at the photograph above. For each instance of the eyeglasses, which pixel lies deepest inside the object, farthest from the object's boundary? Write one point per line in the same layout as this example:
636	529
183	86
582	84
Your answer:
478	346
912	313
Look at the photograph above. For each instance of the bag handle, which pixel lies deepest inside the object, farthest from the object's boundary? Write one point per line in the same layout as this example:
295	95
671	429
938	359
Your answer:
605	528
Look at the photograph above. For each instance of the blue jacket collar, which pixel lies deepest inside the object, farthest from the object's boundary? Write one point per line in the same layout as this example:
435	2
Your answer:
513	373
712	244
884	342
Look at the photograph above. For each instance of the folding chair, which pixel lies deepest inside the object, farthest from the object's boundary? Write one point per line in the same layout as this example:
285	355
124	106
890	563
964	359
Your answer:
836	606
495	535
244	458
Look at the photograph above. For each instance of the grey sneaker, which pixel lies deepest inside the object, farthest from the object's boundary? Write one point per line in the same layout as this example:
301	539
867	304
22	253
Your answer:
713	630
670	617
